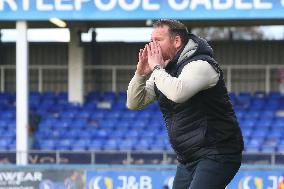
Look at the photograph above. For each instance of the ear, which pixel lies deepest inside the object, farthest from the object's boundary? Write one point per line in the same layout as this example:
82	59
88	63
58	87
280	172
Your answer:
177	42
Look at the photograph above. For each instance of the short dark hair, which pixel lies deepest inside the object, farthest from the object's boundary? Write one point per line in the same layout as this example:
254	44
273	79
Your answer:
175	28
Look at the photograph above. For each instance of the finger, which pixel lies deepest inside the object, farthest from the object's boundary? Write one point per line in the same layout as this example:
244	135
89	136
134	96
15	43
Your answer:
140	53
148	50
159	50
153	49
144	53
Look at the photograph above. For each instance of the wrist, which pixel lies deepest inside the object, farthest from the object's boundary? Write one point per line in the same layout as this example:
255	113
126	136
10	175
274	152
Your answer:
157	67
140	73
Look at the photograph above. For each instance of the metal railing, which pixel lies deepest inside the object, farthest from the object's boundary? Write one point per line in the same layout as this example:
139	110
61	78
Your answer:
228	70
123	157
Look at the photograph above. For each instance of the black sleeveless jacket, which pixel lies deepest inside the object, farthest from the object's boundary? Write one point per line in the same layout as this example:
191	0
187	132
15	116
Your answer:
206	123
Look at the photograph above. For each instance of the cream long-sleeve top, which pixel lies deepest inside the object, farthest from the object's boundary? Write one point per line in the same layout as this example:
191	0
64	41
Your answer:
195	77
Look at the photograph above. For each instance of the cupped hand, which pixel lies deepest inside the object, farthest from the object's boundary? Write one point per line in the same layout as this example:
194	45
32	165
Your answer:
154	55
143	67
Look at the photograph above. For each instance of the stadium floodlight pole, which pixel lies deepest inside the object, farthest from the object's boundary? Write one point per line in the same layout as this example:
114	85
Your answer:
22	93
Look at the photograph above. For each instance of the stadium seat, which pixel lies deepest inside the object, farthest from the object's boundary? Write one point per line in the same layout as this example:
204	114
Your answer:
47	145
127	144
117	128
96	144
142	145
110	144
80	144
246	132
278	122
254	145
158	145
274	95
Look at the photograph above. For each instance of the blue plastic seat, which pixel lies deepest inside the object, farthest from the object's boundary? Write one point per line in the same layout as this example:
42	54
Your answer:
119	106
257	104
118	134
272	104
12	146
71	133
90	106
98	114
9	134
132	134
259	94
158	145
142	145
113	114
278	122
66	123
264	122
96	144
162	135
62	95
232	96
253	114
252	148
123	124
100	134
34	94
270	144
8	115
259	133
254	145
121	96
268	149
139	124
65	144
110	145
246	132
56	134
145	114
239	114
4	123
243	100
84	135
247	123
129	114
276	132
91	99
80	144
79	123
274	95
83	114
148	134
126	144
68	114
47	145
4	144
48	94
108	96
111	124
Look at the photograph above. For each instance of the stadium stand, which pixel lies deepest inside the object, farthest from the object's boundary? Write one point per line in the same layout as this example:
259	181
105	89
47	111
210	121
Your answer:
104	123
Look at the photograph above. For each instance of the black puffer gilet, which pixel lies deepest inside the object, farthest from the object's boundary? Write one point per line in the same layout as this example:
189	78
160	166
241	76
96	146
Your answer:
206	123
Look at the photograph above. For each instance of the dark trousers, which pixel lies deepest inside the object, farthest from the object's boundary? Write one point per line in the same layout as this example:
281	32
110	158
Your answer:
211	172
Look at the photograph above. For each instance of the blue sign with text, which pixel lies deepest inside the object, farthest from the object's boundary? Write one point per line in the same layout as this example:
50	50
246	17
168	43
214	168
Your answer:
245	179
140	9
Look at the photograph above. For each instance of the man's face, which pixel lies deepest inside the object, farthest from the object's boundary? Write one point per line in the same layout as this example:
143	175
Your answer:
162	36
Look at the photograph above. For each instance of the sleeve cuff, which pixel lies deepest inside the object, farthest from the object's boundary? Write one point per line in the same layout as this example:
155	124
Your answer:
157	73
140	78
